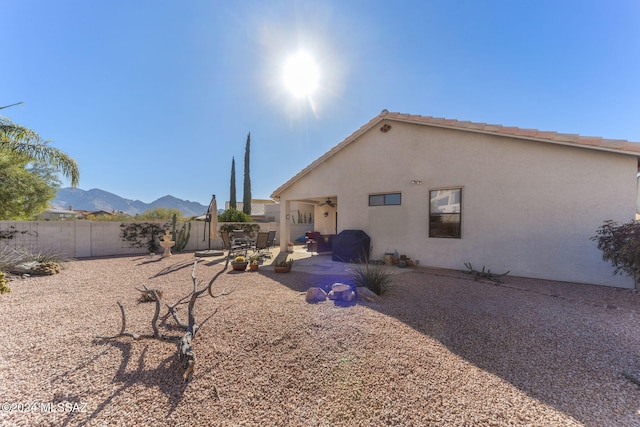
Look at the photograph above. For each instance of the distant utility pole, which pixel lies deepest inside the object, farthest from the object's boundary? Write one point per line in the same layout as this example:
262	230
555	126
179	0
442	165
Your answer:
232	190
246	198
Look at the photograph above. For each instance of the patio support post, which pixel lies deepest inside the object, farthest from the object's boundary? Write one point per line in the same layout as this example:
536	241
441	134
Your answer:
285	224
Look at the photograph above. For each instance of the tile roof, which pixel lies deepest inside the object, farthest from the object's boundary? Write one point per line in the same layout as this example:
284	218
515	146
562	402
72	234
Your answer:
512	131
588	142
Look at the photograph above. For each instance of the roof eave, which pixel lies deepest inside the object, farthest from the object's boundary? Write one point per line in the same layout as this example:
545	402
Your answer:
529	138
481	128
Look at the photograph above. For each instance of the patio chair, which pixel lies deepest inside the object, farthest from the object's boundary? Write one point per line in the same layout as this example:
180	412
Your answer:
238	238
261	245
229	245
271	239
311	240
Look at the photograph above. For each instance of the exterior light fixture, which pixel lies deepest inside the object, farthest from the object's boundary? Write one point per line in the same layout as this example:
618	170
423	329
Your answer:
326	214
416	181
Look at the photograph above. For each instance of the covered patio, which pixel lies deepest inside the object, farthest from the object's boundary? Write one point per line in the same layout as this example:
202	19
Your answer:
322	209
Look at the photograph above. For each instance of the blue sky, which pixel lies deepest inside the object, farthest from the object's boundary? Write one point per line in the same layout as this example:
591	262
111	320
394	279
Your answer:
155	97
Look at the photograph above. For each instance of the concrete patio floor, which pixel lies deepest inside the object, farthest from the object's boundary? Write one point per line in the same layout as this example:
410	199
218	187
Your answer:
309	262
312	262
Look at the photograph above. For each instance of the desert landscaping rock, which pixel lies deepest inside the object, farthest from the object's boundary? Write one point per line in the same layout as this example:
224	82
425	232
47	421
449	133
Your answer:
315	295
24	268
366	294
341	292
437	349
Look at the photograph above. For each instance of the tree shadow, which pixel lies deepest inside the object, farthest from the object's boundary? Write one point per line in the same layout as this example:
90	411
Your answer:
180	265
215	261
167	377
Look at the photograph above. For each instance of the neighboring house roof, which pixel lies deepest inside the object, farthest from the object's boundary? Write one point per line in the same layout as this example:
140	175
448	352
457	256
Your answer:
60	211
101	212
574	140
257	206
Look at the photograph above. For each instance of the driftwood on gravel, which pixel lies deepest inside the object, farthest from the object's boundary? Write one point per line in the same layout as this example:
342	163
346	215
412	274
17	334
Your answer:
184	343
495	278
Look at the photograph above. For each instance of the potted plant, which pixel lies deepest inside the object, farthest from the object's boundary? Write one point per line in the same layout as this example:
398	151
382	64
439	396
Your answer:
254	261
239	264
283	266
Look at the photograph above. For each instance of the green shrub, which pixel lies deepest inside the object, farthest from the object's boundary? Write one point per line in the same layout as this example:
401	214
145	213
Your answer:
233	215
250	228
160	214
141	234
372	276
620	245
115	217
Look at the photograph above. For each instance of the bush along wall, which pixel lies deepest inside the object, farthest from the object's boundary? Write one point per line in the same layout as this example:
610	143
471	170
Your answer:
141	234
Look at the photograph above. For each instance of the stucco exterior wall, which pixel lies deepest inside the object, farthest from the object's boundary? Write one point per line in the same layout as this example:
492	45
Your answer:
528	207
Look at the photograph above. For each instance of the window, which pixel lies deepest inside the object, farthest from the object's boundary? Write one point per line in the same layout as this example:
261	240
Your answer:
445	218
384	199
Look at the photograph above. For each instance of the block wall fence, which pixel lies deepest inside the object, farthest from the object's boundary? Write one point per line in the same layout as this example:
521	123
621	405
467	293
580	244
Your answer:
85	239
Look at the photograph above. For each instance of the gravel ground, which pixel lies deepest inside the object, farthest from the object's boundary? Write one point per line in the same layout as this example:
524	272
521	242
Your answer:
439	349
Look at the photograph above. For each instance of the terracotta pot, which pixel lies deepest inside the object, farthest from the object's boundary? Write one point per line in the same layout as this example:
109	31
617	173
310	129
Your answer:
239	266
253	267
280	269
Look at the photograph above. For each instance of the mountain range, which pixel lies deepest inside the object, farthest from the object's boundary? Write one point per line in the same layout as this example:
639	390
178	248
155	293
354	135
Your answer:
100	200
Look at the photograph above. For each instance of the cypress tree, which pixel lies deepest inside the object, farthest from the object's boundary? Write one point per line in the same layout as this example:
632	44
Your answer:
232	191
246	198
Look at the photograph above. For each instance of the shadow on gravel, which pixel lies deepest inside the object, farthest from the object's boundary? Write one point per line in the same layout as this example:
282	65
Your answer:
180	265
568	353
166	377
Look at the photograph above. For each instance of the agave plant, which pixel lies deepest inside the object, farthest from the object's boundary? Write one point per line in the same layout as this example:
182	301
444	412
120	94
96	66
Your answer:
372	276
285	263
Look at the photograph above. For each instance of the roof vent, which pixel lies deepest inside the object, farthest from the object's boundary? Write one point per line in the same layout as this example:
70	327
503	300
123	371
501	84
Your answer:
385	128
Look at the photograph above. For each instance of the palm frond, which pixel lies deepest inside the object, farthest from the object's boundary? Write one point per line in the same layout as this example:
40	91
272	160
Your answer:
23	141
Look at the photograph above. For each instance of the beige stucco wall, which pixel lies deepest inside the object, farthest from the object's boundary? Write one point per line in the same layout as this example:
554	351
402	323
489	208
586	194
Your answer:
528	207
80	239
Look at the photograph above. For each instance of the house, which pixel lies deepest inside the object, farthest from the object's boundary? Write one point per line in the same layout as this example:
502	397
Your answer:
53	213
258	207
446	192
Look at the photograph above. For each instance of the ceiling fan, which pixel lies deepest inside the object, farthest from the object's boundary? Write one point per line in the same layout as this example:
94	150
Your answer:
328	202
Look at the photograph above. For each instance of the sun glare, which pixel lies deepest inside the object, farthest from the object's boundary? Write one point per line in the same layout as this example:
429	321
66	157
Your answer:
301	75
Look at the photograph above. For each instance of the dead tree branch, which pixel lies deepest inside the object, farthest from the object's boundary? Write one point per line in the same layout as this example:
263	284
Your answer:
186	355
225	291
123	330
483	274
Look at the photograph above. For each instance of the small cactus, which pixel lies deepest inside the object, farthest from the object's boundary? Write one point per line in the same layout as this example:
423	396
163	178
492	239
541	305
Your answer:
174	220
3	284
181	237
